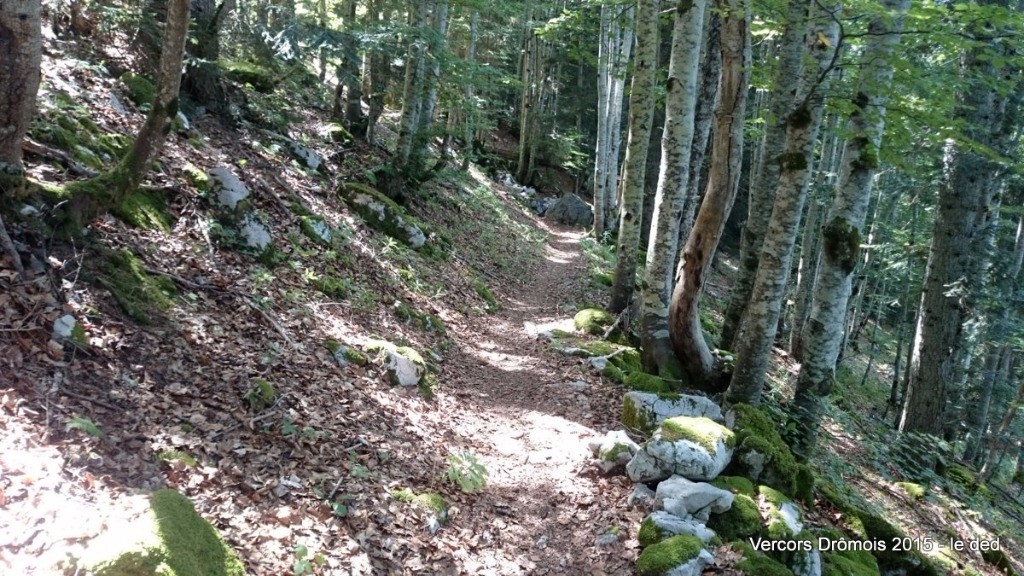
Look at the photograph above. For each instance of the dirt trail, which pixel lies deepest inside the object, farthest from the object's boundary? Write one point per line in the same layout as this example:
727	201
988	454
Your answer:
528	413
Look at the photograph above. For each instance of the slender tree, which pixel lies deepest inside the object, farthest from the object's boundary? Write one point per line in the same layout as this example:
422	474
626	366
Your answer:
673	177
724	175
823	332
753	343
641	114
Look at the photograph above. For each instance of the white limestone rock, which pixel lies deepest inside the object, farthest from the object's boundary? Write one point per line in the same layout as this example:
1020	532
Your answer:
612	450
695	448
229	188
649	410
671	525
403	371
687	499
255	233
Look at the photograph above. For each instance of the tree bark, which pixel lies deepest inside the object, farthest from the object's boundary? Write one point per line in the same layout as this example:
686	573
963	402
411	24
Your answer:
965	192
641	114
673	178
21	47
202	81
726	154
753	342
783	97
407	153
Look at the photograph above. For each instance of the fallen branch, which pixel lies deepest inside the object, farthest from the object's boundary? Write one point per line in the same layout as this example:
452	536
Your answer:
73	166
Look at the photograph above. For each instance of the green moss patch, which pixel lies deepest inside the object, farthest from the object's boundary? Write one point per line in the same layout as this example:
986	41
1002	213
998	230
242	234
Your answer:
258	77
702	431
661	557
740	521
261	395
735	484
139	294
592	321
485	294
755	432
915	491
146	209
141	90
756	564
645	382
849	564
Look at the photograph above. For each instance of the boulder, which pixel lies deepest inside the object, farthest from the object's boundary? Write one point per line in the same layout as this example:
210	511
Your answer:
695	448
255	233
681	555
641	496
404	368
661	525
381	213
305	155
644	411
612	450
570	209
229	189
686	499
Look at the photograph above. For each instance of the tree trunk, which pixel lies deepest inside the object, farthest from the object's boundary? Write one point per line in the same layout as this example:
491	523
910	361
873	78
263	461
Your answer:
710	70
726	154
977	415
105	191
673	177
753	342
641	113
407	152
783	97
606	167
379	74
469	123
437	46
840	239
964	193
21	45
202	81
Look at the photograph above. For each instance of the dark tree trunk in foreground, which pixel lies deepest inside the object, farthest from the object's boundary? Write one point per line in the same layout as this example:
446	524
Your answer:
20	54
202	80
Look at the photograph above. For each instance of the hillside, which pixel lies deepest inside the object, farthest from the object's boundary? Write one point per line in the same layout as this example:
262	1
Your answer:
259	374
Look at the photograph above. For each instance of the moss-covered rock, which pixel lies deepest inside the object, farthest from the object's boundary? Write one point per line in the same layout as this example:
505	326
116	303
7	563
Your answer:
762	455
645	382
141	90
316	230
383	214
740	521
258	77
781	516
197	177
659	558
146	209
704	432
756	564
592	321
175	542
736	485
140	294
491	303
261	395
430	502
914	491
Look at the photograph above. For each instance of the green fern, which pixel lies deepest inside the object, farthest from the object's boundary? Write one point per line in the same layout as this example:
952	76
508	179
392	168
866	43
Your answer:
464	471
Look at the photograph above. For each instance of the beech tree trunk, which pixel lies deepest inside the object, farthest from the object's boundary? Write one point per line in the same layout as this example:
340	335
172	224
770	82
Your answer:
407	152
754	339
21	45
202	81
724	176
641	114
673	178
616	42
710	70
782	99
966	191
840	238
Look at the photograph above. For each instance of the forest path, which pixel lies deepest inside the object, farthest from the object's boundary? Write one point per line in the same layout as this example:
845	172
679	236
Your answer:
527	414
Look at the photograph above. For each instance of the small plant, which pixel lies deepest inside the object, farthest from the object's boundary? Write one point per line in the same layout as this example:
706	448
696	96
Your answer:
464	471
261	395
85	425
304	564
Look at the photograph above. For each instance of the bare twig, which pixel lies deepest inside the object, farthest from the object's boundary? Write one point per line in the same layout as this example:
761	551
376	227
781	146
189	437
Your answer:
106	405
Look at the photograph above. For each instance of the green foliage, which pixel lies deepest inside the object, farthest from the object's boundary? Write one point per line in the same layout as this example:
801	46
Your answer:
756	564
175	455
649	533
481	289
915	491
261	395
85	425
661	557
465	472
191	544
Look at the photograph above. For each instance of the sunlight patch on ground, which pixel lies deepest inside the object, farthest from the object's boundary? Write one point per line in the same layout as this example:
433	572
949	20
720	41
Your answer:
552	254
535	329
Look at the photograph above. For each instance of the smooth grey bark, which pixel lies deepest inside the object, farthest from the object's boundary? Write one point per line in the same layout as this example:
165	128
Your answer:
641	114
616	44
433	78
469	122
673	178
726	155
378	67
822	334
21	45
710	70
782	100
756	334
977	415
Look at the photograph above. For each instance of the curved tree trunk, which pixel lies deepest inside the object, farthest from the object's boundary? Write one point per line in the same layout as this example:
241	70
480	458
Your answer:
726	153
823	331
97	195
782	99
21	45
754	339
641	114
673	177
